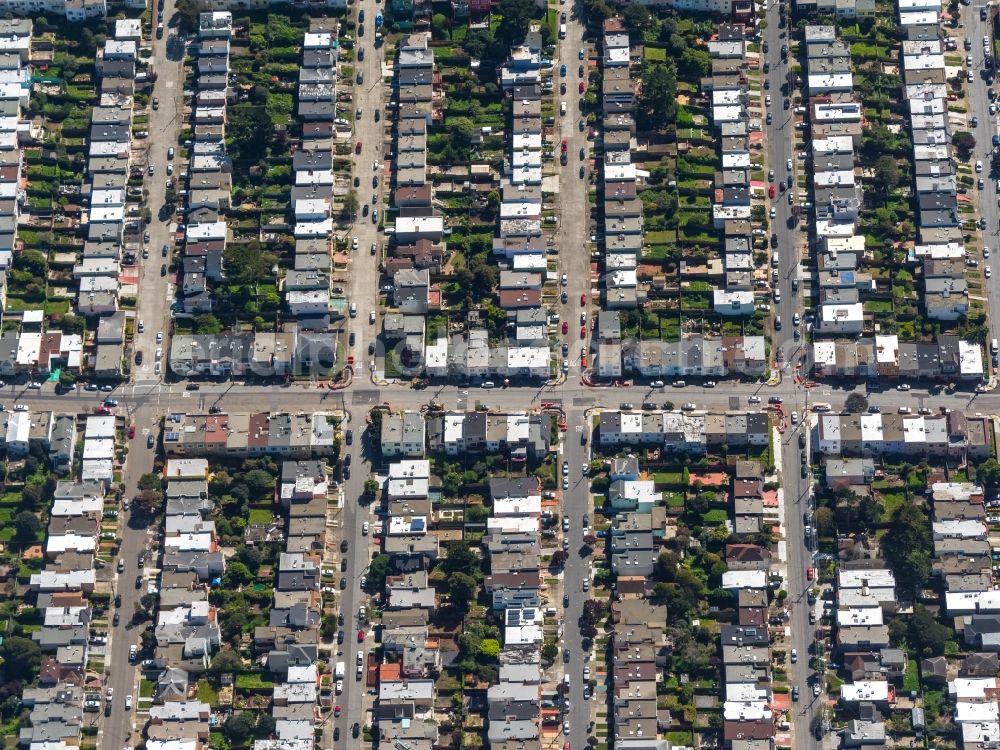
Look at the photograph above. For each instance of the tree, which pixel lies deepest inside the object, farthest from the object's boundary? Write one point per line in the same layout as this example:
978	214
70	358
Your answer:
26	527
461	130
150	482
259	482
189	13
371	487
869	514
207	325
250	131
237	574
247	263
460	558
515	17
926	634
908	547
695	63
239	727
856	403
148	502
226	660
637	18
21	657
988	472
350	206
886	175
489	648
965	142
462	590
378	570
658	101
825	525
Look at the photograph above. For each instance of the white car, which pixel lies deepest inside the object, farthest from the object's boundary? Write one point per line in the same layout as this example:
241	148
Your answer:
159	352
156	368
566	729
128	702
979	165
159	336
564	279
354	243
795	656
371	317
20	407
988	272
788	165
374	166
689	406
340	687
795	417
364	529
586	673
361	658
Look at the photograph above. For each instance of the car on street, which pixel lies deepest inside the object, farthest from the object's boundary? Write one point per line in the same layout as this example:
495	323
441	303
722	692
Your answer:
565	327
795	693
795	655
810	573
975	121
987	272
770	191
979	165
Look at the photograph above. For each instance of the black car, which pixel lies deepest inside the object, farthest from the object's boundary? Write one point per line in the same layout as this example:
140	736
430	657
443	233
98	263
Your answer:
357	182
350	437
784	50
795	692
371	350
378	115
163	269
774	239
343	583
340	618
336	734
138	358
355	729
343	545
565	656
140	561
805	471
164	251
343	564
118	600
789	181
192	387
138	582
565	600
340	636
347	472
116	619
802	440
347	460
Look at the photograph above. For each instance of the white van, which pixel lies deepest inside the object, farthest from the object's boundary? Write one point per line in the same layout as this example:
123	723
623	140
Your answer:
562	108
994	347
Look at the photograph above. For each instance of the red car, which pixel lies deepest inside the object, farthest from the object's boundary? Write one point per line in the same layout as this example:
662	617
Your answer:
565	327
566	745
131	432
583	87
102	410
583	299
770	192
583	332
336	710
583	360
357	147
361	636
564	145
810	573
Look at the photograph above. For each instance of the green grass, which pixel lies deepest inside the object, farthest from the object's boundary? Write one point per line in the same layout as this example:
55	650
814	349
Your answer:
206	693
891	501
260	517
252	681
911	681
668	477
715	517
146	688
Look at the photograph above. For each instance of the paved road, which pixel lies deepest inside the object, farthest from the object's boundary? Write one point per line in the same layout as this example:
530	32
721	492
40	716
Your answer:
792	244
572	204
573	241
978	97
780	149
117	729
155	290
369	97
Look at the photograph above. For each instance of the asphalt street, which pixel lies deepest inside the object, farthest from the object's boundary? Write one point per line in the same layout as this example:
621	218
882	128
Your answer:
371	167
974	29
372	172
781	135
573	244
119	727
